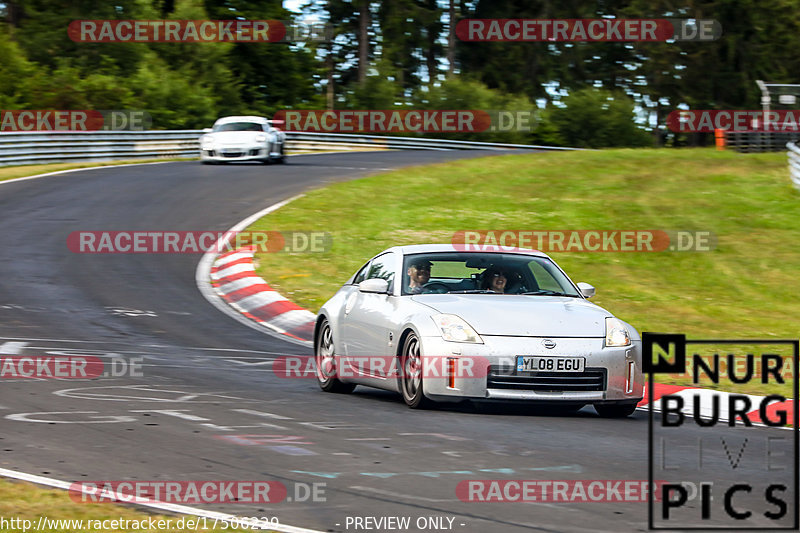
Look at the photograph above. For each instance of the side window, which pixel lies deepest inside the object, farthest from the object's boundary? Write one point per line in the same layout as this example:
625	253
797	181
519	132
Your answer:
382	267
544	279
362	274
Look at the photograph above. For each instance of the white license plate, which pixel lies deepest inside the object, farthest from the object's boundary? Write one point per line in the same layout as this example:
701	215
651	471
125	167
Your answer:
550	364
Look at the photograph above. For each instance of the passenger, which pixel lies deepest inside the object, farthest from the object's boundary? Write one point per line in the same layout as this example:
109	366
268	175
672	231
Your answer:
494	279
419	273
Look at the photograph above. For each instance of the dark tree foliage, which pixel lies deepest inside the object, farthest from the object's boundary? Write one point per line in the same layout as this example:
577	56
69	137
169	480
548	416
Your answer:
396	53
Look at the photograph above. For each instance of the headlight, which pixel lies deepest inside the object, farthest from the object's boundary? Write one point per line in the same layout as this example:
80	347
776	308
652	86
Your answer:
260	138
207	141
616	333
455	329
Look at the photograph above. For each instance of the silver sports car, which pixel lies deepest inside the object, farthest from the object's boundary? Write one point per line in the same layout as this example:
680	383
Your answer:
438	322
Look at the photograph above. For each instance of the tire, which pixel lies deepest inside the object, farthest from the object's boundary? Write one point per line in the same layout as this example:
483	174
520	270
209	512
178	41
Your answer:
268	160
282	158
411	374
615	410
325	360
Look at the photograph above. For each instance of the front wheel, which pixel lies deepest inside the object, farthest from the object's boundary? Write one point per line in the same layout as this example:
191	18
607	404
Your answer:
615	410
325	359
411	377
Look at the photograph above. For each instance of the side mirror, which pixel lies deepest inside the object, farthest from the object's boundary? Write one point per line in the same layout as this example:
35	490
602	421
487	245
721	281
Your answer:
206	130
587	290
377	285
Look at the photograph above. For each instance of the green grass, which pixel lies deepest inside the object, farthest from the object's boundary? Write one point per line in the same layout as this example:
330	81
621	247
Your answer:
745	288
29	502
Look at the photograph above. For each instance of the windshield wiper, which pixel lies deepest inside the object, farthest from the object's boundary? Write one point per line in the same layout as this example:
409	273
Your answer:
474	291
547	292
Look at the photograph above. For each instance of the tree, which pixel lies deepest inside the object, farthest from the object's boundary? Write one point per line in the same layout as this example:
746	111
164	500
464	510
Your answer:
597	118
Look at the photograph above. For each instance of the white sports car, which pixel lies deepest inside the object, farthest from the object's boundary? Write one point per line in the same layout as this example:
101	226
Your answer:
242	138
441	323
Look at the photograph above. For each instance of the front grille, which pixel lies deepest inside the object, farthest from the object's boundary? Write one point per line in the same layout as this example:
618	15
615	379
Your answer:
592	379
232	154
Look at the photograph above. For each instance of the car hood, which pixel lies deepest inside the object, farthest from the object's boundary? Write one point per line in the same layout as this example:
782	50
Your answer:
236	137
526	316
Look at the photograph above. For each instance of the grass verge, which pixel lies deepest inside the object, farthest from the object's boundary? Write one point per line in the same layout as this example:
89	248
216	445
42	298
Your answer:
741	289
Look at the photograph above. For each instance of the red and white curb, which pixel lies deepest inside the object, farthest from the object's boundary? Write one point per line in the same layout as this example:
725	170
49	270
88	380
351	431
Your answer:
688	394
249	307
234	279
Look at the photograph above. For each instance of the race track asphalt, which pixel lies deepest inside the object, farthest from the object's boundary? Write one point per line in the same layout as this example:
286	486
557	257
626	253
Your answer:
207	405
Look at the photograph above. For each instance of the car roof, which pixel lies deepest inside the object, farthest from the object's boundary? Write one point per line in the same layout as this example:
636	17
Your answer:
469	248
242	118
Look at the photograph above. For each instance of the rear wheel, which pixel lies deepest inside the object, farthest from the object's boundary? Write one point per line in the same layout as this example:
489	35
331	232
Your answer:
615	410
411	377
325	359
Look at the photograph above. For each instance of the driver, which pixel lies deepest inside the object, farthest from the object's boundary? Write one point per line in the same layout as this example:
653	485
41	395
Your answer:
419	273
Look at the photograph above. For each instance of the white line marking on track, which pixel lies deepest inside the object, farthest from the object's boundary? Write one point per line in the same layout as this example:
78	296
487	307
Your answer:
231	428
12	348
399	494
261	413
245	363
145	502
440	435
178	413
94	393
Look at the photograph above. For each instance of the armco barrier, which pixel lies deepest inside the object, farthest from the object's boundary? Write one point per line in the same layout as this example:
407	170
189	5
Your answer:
18	148
794	163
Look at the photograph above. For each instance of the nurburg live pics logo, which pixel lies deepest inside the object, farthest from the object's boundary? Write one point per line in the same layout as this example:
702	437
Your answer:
754	484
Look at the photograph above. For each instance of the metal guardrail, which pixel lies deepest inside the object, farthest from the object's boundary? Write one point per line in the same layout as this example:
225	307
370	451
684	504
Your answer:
794	163
24	148
58	147
758	141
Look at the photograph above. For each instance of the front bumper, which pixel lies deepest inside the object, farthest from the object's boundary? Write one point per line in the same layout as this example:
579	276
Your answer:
258	152
610	374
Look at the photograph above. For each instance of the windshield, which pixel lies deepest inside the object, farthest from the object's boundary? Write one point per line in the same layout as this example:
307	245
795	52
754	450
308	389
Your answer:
484	273
238	126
